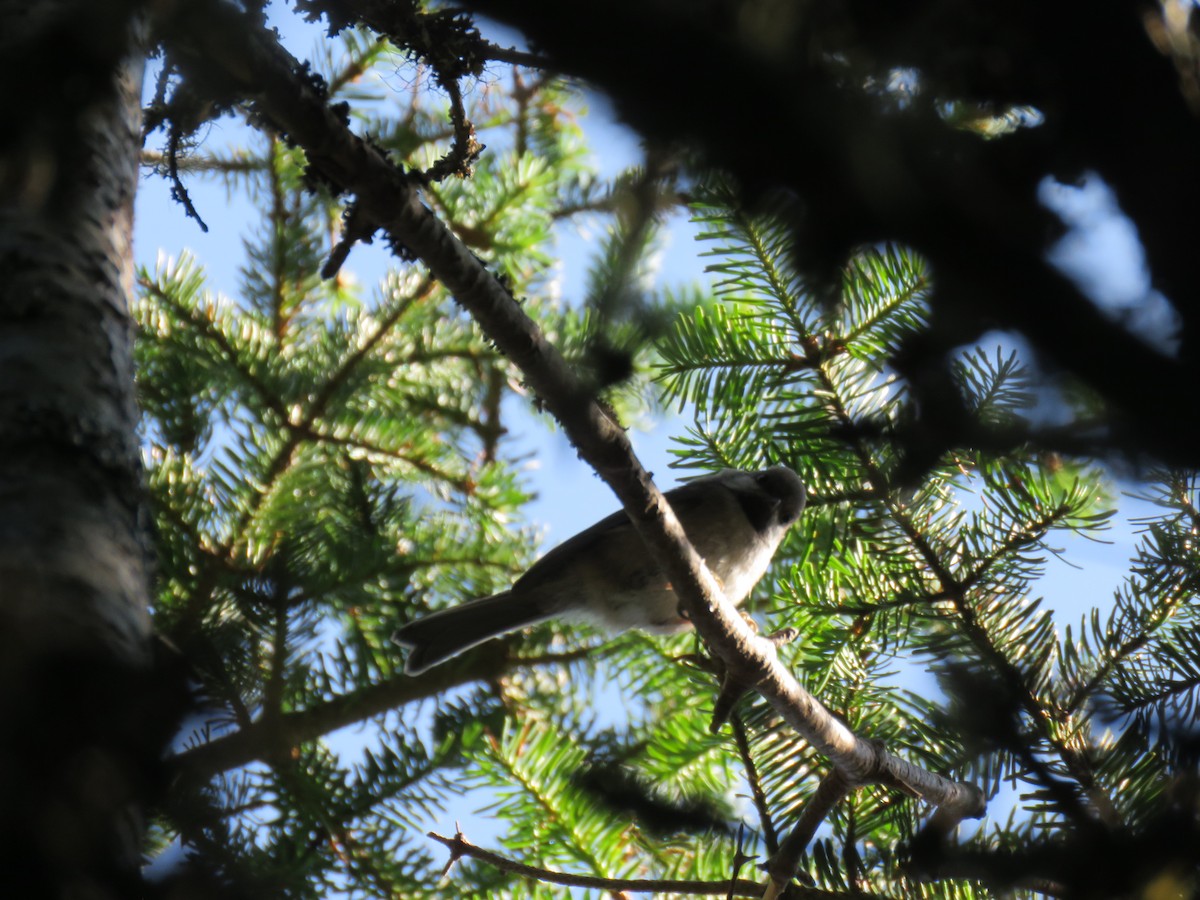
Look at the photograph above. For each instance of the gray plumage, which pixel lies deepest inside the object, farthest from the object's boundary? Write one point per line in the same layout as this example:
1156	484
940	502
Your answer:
735	520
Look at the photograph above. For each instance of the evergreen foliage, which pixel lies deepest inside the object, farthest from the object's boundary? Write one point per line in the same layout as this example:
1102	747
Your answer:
325	464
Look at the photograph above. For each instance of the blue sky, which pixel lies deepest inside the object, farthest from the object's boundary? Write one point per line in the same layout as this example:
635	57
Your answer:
1102	254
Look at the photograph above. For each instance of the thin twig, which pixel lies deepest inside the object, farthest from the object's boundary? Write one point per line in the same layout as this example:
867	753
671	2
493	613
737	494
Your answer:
770	837
465	150
460	847
353	231
786	861
515	57
740	859
179	193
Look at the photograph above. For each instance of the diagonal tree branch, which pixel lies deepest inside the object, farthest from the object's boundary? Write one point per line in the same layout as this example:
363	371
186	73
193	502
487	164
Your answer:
263	740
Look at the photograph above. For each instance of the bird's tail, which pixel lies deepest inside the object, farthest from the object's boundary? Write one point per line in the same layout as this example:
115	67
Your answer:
441	635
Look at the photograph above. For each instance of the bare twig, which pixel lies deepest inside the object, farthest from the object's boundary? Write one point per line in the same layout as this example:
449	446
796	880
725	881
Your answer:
756	791
465	150
459	847
431	34
179	193
740	859
784	863
515	57
353	231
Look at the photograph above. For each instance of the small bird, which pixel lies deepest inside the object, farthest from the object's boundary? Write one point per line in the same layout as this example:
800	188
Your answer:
735	520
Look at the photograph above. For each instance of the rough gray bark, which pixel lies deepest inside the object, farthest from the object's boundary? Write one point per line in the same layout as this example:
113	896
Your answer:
74	627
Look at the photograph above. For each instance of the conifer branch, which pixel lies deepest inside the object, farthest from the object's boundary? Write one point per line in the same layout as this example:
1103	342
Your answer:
956	590
203	164
770	837
461	484
347	366
206	327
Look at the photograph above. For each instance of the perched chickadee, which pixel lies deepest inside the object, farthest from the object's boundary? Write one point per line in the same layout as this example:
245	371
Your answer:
735	520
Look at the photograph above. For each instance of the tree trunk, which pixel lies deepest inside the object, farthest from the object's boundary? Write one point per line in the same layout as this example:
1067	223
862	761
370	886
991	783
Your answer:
77	707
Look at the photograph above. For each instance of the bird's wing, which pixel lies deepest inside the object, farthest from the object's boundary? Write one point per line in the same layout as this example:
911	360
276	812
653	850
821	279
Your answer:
612	538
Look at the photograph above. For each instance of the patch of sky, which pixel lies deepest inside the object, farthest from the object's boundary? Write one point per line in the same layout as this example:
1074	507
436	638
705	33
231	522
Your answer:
1102	254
